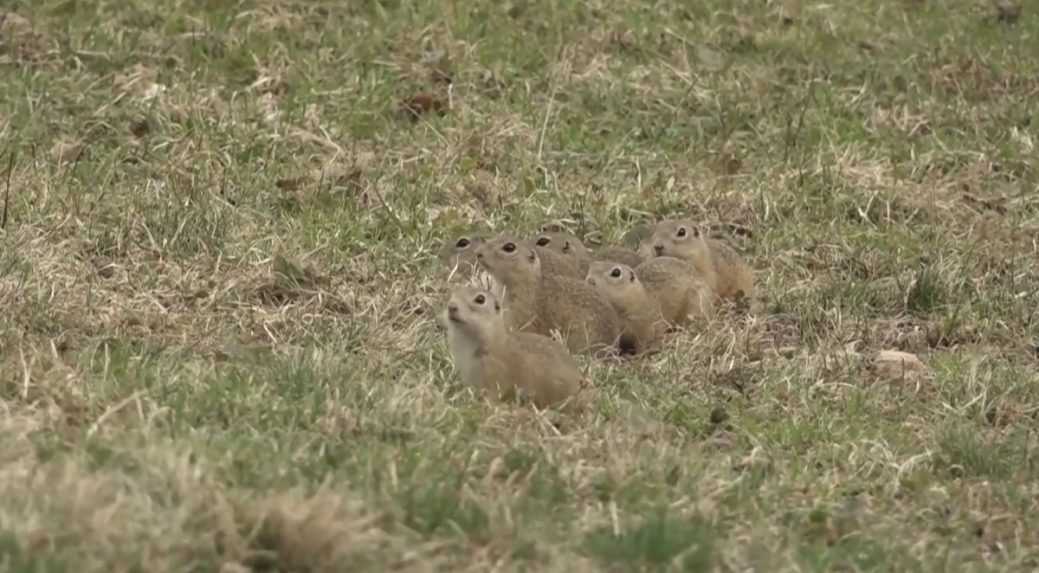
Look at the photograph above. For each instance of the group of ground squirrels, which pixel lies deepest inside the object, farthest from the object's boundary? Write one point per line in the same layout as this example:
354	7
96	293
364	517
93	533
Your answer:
611	301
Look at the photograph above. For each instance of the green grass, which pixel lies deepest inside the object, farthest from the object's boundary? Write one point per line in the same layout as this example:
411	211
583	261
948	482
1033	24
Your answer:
218	282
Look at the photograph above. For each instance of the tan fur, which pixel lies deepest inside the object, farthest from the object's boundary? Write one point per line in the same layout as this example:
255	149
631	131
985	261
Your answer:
619	255
718	263
540	302
678	288
638	311
568	244
553	262
506	365
562	242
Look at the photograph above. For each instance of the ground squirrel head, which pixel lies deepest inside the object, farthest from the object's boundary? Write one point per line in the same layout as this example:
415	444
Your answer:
612	279
672	238
508	258
561	242
461	249
474	311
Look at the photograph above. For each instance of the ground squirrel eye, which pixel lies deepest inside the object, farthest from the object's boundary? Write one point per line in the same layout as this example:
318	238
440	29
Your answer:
480	299
544	241
681	232
462	243
616	272
509	247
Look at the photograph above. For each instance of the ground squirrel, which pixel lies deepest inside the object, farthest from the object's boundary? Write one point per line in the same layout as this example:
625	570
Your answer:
639	312
507	365
720	265
568	244
659	293
540	302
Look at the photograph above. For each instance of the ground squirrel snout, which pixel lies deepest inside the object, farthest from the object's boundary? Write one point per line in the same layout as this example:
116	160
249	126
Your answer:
537	300
720	265
503	364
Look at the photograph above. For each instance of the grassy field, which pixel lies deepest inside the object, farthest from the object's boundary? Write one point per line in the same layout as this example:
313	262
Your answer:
218	278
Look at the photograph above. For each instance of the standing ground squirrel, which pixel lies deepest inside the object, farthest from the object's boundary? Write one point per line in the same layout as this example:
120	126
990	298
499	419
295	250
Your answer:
638	311
721	266
539	302
507	365
568	244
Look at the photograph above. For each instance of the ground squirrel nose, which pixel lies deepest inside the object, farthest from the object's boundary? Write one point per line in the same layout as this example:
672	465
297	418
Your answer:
659	249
